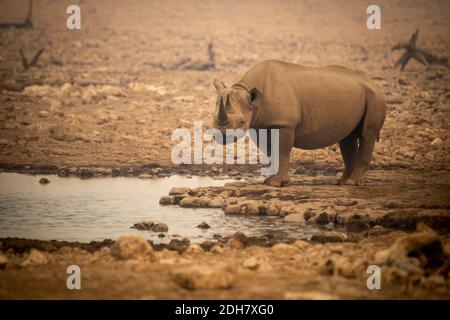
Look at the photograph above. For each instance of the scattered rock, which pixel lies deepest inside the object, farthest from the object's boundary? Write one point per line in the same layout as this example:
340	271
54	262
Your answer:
204	225
160	227
145	176
99	171
143	225
377	231
44	181
179	191
322	218
65	171
308	214
284	249
329	236
43	114
232	209
166	200
150	225
301	244
156	171
194	249
5	142
37	90
252	208
3	260
356	224
402	82
85	172
272	211
179	245
337	265
346	203
216	249
295	217
204	277
417	252
237	241
34	258
287	196
195	202
216	203
132	247
251	264
437	142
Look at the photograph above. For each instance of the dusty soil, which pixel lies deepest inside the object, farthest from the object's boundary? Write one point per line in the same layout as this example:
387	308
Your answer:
105	100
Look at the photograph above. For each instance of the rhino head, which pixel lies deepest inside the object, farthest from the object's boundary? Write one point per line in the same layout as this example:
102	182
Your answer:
236	107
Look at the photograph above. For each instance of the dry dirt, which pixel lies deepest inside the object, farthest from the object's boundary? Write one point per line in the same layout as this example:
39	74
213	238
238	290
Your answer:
105	100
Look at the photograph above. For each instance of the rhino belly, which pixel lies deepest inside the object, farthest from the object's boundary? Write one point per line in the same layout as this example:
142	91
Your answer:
324	124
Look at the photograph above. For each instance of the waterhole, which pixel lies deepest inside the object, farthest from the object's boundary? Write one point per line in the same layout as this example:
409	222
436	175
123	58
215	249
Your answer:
84	210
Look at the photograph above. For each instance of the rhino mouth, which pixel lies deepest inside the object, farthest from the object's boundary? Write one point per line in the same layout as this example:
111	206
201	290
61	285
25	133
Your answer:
225	139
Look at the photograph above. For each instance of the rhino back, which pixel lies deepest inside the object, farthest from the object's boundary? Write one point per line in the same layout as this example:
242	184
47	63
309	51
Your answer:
323	104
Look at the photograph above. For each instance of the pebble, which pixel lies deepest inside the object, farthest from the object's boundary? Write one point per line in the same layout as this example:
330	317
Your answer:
44	181
204	225
437	142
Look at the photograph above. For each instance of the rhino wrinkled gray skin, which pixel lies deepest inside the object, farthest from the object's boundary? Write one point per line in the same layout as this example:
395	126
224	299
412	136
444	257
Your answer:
312	107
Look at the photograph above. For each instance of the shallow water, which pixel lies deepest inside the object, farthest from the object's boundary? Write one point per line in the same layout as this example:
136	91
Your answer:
74	209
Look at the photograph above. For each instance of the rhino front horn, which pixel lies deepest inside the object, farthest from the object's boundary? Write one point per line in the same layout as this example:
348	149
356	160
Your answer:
222	116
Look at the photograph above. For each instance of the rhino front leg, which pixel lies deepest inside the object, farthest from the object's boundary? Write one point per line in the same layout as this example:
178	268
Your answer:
285	143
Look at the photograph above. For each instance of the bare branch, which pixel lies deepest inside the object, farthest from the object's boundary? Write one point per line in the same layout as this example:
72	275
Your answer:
27	24
28	64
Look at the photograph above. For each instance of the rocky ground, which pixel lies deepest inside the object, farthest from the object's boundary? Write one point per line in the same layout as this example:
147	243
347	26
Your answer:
105	100
413	266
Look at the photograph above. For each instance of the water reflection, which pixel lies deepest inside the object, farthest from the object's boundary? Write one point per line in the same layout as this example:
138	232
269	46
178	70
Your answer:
73	209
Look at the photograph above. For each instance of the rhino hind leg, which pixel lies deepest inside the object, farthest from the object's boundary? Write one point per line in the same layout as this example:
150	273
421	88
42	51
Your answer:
362	161
369	132
349	151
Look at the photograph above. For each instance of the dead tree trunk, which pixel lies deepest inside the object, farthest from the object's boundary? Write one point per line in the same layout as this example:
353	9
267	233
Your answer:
412	52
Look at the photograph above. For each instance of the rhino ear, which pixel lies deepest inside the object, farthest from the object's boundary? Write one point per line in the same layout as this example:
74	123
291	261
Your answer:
255	97
219	85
